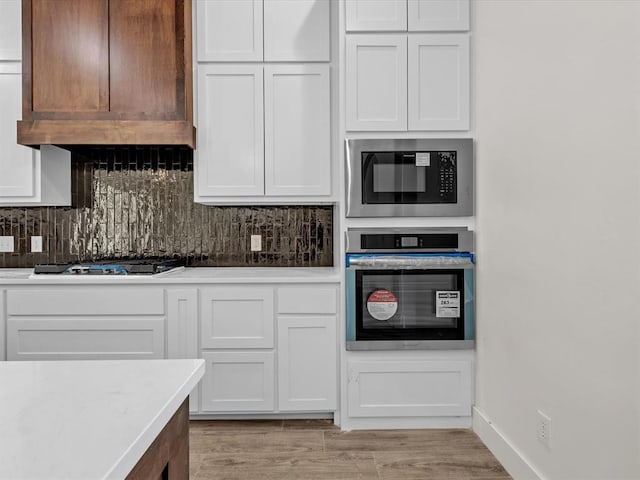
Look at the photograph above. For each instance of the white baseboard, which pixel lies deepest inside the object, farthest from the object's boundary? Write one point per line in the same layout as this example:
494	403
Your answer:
509	456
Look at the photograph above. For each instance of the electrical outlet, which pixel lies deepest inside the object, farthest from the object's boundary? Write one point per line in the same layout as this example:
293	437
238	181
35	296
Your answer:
256	243
6	244
544	429
36	244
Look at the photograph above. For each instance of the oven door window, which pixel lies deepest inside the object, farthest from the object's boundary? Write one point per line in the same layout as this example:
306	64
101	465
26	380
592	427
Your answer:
408	177
410	304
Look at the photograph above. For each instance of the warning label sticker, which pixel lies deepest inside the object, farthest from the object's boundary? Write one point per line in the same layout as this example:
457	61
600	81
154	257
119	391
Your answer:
382	304
448	304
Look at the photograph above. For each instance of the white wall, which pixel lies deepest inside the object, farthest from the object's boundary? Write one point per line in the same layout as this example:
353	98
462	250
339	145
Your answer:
558	225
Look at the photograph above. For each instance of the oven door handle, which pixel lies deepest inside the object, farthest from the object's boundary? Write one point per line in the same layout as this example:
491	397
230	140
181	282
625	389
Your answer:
415	261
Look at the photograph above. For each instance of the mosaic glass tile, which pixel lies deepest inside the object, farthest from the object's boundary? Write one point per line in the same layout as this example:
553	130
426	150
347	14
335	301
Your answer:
136	202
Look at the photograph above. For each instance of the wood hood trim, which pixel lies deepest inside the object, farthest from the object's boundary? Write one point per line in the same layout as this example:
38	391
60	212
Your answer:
106	132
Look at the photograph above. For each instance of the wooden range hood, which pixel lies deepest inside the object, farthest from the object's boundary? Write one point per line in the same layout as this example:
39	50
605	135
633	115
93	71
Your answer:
107	72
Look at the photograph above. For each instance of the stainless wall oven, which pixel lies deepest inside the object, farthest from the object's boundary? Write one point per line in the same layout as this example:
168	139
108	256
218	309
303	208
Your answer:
410	288
409	177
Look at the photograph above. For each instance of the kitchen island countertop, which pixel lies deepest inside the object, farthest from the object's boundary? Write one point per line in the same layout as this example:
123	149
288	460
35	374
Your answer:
86	419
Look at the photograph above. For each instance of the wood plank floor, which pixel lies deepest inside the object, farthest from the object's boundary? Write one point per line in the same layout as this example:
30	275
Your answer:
317	450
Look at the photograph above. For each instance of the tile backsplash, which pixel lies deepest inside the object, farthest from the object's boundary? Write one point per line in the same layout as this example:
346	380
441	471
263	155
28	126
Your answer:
136	202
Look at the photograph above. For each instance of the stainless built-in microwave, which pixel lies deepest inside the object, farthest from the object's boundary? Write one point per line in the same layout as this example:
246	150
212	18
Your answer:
409	177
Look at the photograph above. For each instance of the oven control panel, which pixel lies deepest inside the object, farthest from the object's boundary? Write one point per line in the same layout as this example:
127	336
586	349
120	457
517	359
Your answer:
387	241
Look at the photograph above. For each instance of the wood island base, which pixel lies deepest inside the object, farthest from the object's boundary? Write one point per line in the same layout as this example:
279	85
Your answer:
167	458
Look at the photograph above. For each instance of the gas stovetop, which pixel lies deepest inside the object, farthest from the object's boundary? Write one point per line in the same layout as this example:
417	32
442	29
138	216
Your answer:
143	266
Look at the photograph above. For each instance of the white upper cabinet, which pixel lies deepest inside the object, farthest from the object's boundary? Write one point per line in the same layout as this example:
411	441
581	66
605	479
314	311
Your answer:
438	15
439	82
257	30
230	155
376	97
407	81
25	177
10	30
376	15
229	30
296	30
406	15
263	148
297	134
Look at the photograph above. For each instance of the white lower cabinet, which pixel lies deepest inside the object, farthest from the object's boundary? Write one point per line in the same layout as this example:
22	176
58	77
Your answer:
307	363
237	317
409	388
182	330
85	338
257	364
238	381
85	323
268	348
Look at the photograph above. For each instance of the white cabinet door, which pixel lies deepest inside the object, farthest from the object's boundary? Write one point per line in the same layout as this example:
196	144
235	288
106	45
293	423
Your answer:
85	301
229	30
409	388
376	96
85	338
238	381
439	82
85	322
376	15
24	178
297	130
3	325
296	30
438	15
230	153
18	163
307	363
237	317
10	30
182	329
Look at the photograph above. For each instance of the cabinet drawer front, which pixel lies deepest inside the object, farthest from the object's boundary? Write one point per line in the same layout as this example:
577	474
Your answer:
75	339
77	300
317	299
237	317
238	381
409	388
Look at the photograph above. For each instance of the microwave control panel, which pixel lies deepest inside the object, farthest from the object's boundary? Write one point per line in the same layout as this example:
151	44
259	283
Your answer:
447	176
